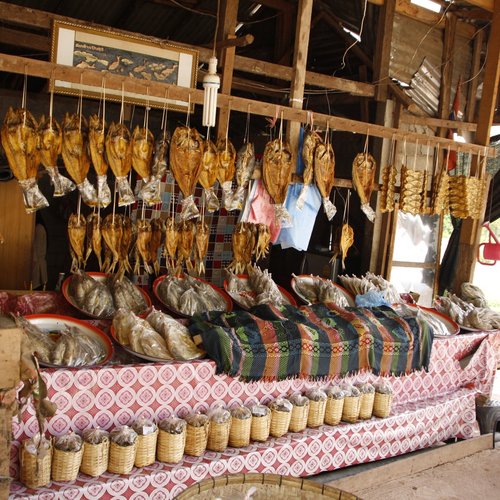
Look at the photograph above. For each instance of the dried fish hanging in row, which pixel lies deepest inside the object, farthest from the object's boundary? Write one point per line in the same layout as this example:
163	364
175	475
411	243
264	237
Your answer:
363	179
410	197
347	232
226	154
324	173
249	240
310	141
389	175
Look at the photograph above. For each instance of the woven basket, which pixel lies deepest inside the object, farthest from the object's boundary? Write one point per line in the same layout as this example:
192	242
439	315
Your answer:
66	464
280	421
146	449
35	472
316	415
260	428
382	405
218	435
333	411
95	458
298	419
366	405
196	439
121	458
171	447
239	434
350	411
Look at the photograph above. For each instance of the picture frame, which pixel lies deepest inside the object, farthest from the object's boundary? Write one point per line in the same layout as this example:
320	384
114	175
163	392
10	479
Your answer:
125	55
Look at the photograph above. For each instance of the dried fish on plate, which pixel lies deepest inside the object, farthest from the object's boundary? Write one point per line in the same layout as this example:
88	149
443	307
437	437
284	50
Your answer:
186	152
245	165
119	154
19	141
226	168
314	289
324	173
97	139
150	190
126	295
91	296
208	175
363	179
75	153
346	241
309	143
77	230
50	145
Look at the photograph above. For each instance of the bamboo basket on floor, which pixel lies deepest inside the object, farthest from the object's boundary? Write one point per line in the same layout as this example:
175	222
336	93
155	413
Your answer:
95	458
333	410
382	405
171	440
121	458
300	412
366	405
145	453
66	464
281	412
197	430
35	470
241	424
261	423
350	410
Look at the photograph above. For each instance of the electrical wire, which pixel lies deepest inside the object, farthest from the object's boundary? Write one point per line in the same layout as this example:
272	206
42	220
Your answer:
342	66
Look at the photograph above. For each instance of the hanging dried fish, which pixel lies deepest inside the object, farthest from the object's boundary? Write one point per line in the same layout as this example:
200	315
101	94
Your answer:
185	246
142	155
245	165
142	246
201	246
243	242
95	237
97	139
50	145
225	174
263	240
186	152
156	242
324	173
309	143
77	230
363	179
112	233
126	243
346	241
172	237
119	154
19	141
75	153
208	175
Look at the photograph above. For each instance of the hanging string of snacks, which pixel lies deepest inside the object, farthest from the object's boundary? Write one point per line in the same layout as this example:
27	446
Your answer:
410	198
440	199
389	175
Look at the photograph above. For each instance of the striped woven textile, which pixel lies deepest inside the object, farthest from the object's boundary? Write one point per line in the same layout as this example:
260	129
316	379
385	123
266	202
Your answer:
317	341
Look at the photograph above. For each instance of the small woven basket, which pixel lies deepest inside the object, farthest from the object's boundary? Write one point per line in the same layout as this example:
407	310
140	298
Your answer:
239	433
260	427
218	435
333	411
66	464
196	439
316	415
382	405
95	458
280	421
121	458
171	446
350	411
298	419
146	449
366	405
35	472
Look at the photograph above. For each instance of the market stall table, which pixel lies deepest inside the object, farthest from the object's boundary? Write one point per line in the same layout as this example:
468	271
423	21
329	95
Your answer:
428	407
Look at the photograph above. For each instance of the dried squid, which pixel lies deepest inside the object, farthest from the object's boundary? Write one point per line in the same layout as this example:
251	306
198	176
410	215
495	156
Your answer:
201	246
19	140
311	140
49	146
225	174
186	152
172	237
76	157
363	179
324	173
245	165
277	173
97	139
208	175
150	190
346	241
156	242
119	154
142	246
77	230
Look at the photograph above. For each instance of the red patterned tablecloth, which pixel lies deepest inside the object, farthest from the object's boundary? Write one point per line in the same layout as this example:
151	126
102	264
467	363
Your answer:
428	407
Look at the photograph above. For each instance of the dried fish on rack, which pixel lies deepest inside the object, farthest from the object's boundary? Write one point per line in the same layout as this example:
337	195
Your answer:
363	179
227	166
97	139
112	233
263	240
77	230
201	246
309	143
185	245
156	242
142	155
119	154
277	173
94	236
142	246
19	141
172	237
245	165
186	152
346	241
410	197
75	153
324	173
208	175
387	191
50	145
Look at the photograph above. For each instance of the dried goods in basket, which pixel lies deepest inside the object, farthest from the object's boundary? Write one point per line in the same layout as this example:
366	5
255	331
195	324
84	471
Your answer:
197	430
220	424
317	407
66	457
95	452
300	412
241	423
122	450
367	398
171	440
261	423
35	456
334	405
147	436
281	413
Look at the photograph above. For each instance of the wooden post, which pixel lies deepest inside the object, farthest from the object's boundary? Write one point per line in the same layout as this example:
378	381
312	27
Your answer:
476	64
304	13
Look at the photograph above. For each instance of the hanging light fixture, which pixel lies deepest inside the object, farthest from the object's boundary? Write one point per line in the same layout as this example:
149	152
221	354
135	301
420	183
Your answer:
211	84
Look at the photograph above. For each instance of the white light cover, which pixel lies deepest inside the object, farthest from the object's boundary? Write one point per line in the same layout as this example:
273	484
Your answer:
428	4
211	83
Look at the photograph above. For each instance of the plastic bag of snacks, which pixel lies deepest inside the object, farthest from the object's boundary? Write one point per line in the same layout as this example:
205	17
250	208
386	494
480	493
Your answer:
334	405
366	400
317	407
95	452
66	457
171	440
122	449
197	429
35	456
352	402
261	422
300	412
383	399
147	435
220	424
281	413
241	425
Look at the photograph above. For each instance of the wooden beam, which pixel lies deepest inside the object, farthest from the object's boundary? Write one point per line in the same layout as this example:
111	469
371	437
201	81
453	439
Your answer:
302	31
383	49
483	4
44	69
438	122
474	76
9	36
241	41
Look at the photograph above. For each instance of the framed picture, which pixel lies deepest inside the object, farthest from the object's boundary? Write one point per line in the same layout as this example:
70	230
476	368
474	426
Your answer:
125	55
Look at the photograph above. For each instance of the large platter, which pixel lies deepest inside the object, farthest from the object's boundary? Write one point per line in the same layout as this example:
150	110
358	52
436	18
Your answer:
452	326
176	312
308	278
287	296
98	277
53	322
